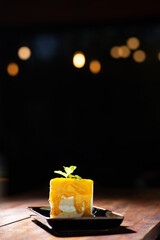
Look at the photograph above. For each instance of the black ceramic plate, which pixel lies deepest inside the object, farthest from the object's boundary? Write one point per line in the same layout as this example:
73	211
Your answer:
102	219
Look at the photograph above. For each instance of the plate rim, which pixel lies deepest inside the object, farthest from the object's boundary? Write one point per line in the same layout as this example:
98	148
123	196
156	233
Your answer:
118	217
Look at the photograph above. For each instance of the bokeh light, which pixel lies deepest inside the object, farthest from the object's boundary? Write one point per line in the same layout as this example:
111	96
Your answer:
124	51
79	59
12	69
4	179
95	66
114	52
158	56
24	53
139	56
133	43
120	51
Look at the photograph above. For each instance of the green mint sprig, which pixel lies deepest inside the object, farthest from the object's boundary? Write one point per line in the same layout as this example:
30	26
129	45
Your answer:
68	172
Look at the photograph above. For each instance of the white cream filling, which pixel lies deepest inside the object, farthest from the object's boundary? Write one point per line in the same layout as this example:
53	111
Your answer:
68	208
67	204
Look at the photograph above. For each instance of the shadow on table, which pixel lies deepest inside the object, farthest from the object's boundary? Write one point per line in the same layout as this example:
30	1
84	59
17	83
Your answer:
78	233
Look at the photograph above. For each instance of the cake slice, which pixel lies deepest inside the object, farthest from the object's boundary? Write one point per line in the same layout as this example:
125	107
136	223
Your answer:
71	196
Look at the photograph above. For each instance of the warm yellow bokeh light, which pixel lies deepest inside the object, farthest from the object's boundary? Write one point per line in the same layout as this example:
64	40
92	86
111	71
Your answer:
4	179
95	66
133	43
120	52
158	56
124	51
12	69
114	52
79	59
139	56
24	53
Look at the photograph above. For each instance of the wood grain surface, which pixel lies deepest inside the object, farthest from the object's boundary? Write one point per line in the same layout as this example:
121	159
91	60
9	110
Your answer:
141	210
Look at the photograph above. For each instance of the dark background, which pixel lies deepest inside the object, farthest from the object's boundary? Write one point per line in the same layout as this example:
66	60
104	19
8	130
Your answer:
54	115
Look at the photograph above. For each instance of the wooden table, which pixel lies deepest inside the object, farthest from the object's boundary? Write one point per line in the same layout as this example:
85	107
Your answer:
141	209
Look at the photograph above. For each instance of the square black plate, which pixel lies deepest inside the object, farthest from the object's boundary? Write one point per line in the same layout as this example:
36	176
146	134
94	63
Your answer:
102	219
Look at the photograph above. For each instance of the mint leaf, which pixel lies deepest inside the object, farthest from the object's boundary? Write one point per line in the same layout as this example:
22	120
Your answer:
78	177
73	168
68	171
61	173
75	176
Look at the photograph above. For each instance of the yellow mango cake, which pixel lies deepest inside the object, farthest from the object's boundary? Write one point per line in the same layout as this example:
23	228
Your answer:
70	196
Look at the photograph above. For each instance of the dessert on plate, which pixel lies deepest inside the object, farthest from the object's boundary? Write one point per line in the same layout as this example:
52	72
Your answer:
70	196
